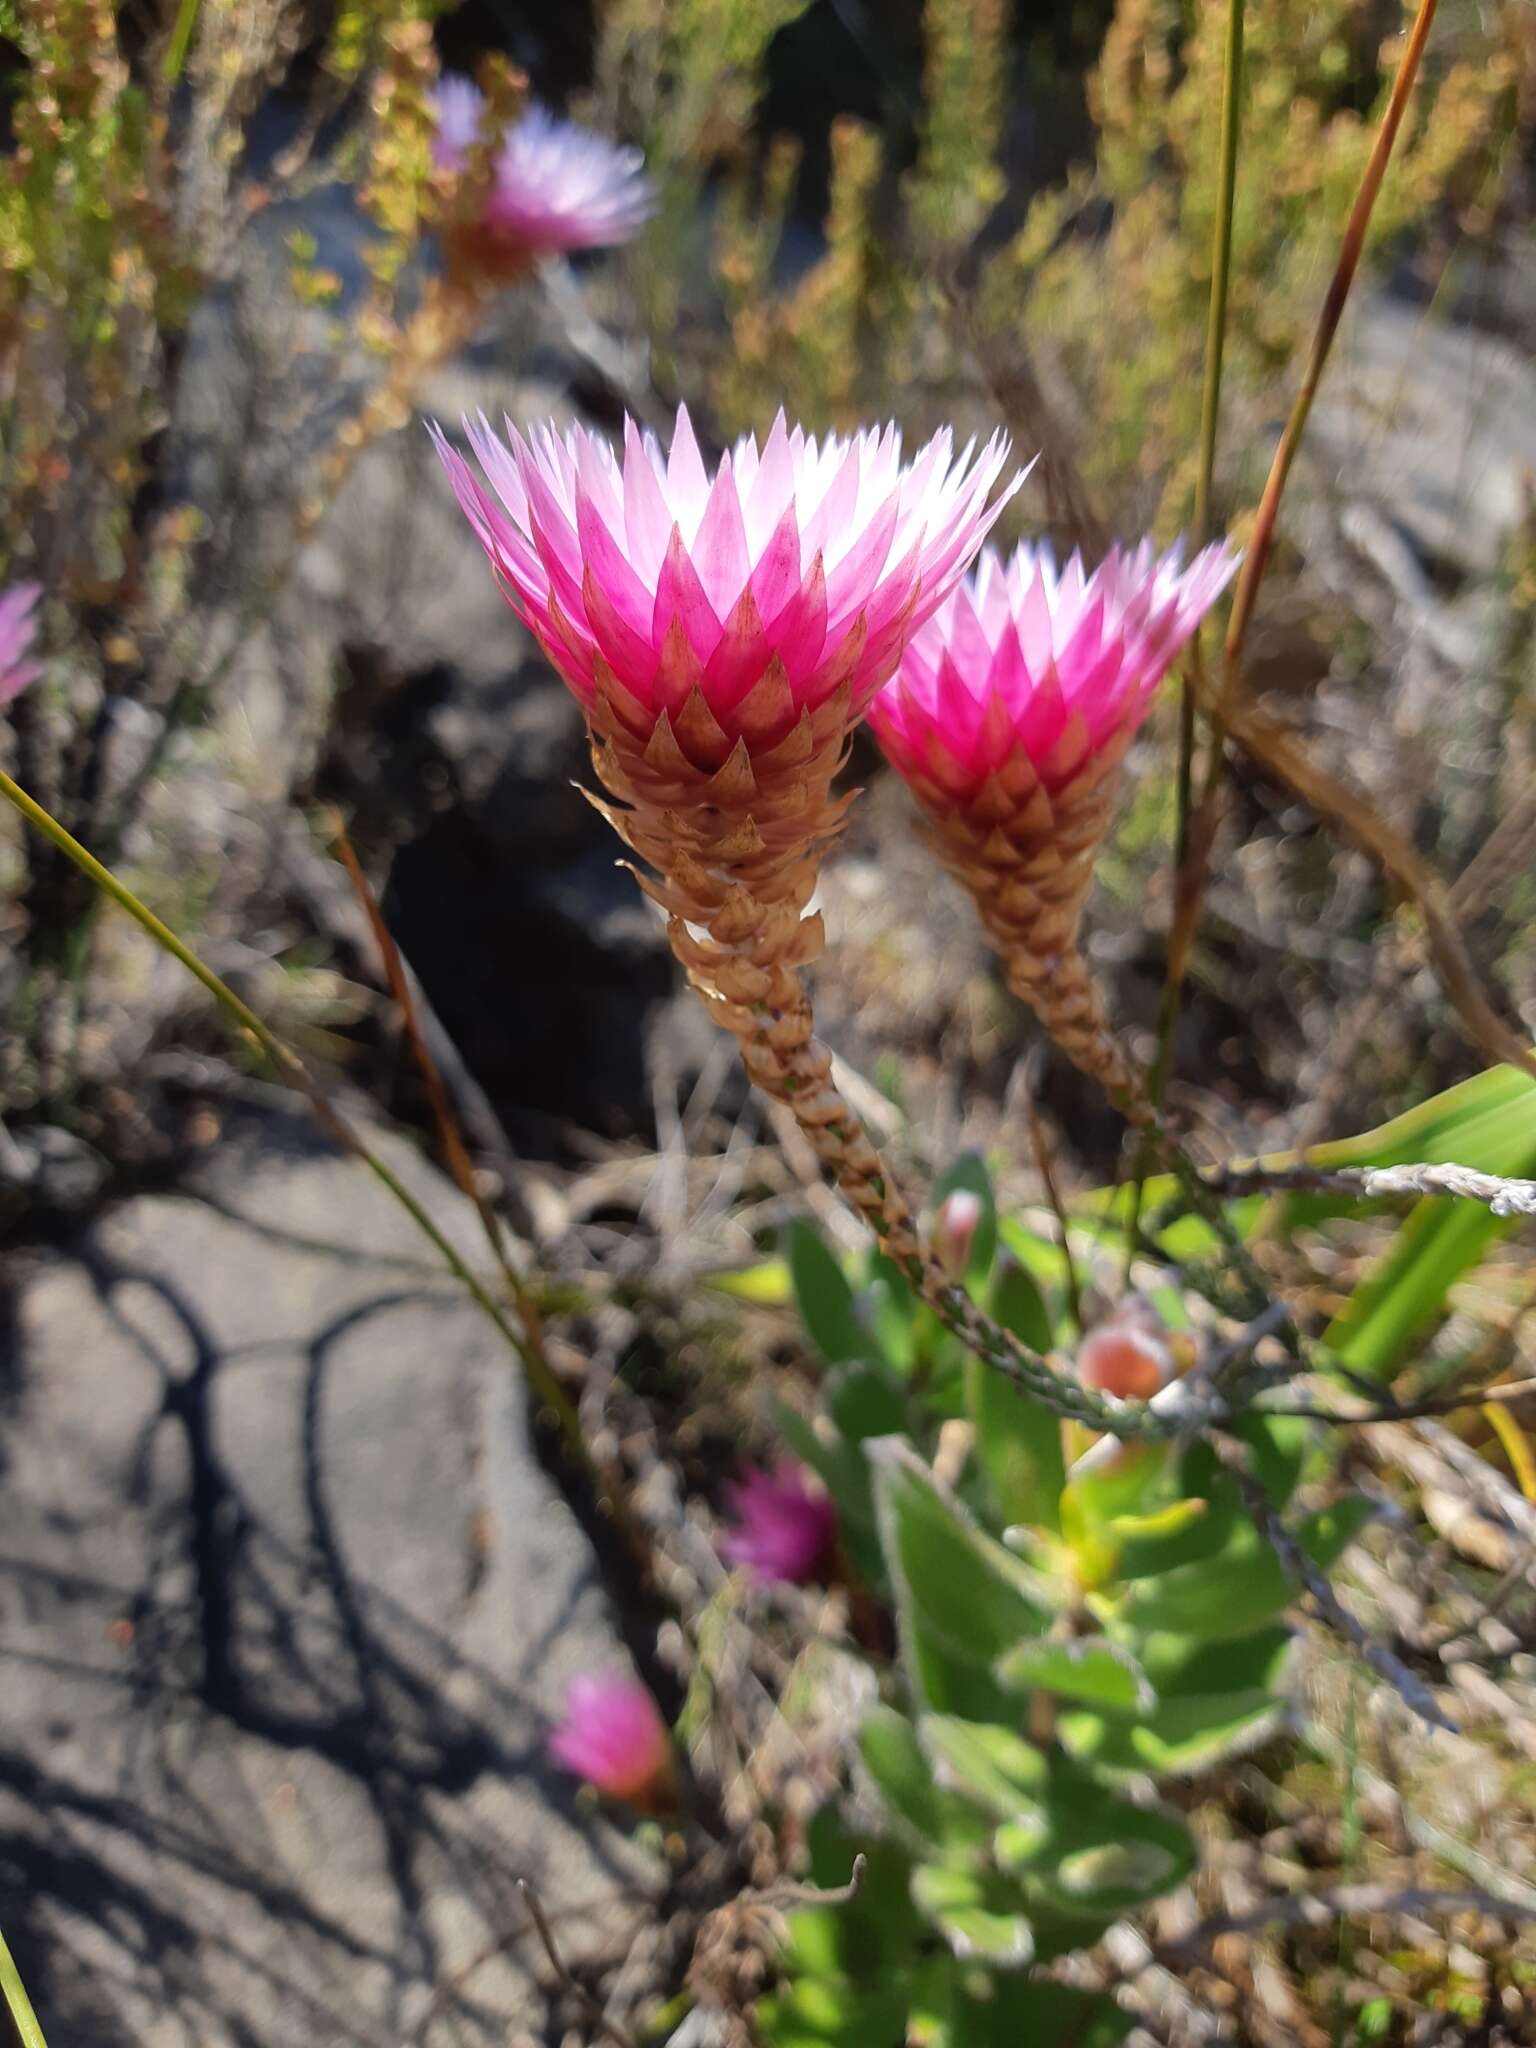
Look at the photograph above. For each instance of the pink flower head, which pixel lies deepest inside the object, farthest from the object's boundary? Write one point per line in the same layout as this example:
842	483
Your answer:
1029	674
783	1530
554	185
613	1736
793	570
17	626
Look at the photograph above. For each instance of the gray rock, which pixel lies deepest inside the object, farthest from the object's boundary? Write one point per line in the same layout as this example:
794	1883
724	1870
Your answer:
288	1606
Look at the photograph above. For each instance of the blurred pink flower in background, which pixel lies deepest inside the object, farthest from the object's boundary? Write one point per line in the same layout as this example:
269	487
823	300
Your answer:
796	569
614	1737
18	623
784	1529
1030	674
554	185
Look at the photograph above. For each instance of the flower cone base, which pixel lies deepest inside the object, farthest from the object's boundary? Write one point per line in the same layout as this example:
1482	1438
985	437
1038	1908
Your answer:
1026	855
736	835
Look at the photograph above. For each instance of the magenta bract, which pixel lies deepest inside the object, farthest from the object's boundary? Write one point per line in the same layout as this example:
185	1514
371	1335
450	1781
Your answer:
1051	665
816	559
18	623
783	1528
555	185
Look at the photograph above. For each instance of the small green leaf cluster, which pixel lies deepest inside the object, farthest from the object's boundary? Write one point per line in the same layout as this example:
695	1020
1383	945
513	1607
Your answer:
1070	1620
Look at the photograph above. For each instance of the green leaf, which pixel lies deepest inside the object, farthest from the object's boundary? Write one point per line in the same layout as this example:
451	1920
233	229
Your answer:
979	1912
824	1298
832	2012
969	1171
1406	1291
1017	2012
893	1311
1278	1445
1018	1446
962	1599
992	1765
1487	1122
1214	1700
864	1401
1019	1306
902	1774
1244	1584
1101	1856
1091	1669
765	1285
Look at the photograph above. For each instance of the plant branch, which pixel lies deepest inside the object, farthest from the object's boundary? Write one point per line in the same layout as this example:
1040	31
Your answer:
1298	1566
1505	1197
594	2011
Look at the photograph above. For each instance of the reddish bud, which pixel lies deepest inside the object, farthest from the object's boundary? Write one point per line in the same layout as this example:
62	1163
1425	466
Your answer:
954	1229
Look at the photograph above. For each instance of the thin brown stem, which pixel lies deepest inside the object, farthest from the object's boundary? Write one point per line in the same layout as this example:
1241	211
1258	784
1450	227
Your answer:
1257	559
610	2028
449	1135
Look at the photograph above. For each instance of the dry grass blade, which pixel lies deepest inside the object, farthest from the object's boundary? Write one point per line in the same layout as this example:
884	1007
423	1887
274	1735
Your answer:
1322	342
1200	834
1278	751
608	2028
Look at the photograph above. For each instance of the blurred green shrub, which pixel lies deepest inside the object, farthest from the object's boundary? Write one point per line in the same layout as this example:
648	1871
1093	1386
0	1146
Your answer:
127	205
915	304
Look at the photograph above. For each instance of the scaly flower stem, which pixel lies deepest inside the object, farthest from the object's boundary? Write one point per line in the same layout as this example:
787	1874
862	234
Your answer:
872	1191
293	1070
28	2033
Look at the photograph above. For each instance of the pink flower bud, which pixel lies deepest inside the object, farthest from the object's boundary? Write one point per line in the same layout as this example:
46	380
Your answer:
613	1736
954	1228
783	1529
1126	1357
17	625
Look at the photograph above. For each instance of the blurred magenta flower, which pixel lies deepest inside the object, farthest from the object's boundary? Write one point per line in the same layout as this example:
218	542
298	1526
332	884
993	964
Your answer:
733	602
783	1528
1010	716
614	1737
554	185
954	1227
18	623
